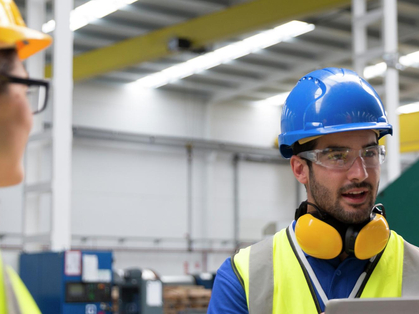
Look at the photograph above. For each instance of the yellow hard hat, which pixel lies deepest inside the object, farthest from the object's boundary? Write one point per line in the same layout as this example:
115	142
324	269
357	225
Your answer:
15	34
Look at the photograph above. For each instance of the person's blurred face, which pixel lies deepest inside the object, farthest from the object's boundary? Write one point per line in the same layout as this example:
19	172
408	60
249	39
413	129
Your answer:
15	125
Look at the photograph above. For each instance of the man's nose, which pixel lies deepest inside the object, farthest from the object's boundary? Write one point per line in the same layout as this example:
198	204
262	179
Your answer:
357	172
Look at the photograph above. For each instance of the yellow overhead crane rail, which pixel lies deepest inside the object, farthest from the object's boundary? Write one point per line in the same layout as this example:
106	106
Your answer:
201	31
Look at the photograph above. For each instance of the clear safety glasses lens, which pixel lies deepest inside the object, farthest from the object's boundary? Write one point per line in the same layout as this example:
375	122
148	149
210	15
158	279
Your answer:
344	158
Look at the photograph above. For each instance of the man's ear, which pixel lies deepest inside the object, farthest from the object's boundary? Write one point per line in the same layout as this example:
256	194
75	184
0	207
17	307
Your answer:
300	169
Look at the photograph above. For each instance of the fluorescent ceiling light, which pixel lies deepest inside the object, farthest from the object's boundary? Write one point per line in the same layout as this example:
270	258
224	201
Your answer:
378	69
48	27
409	60
410	108
89	12
226	54
375	70
277	100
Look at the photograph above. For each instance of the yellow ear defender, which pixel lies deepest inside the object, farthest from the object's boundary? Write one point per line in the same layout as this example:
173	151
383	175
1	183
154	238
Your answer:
370	240
317	238
322	236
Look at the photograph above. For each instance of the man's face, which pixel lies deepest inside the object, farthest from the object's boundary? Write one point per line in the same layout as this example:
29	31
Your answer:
346	194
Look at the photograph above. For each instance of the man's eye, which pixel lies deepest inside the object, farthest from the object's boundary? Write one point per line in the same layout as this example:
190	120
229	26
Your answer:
337	156
370	153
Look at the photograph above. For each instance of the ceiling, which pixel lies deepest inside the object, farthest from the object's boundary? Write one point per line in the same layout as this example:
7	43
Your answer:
254	77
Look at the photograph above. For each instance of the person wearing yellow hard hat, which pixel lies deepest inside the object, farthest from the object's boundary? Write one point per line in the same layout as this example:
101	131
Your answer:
20	98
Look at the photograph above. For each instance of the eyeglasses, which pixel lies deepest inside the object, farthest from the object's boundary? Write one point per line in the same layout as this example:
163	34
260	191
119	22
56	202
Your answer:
344	158
37	92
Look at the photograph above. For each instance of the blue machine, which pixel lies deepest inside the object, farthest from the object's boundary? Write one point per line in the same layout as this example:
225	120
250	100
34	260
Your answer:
70	282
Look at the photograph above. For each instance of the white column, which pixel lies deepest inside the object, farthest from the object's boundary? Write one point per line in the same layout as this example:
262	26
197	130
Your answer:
35	18
62	123
359	35
35	65
392	88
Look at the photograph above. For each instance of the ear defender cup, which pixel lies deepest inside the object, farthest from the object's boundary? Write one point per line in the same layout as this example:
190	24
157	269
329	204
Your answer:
370	240
322	236
318	238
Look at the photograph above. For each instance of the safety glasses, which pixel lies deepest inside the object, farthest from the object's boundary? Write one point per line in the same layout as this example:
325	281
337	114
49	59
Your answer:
344	158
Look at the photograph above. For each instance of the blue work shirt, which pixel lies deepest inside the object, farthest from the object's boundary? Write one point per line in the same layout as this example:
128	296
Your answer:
336	278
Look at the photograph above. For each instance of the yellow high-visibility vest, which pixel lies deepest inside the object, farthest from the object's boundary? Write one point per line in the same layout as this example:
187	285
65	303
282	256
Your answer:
14	296
276	281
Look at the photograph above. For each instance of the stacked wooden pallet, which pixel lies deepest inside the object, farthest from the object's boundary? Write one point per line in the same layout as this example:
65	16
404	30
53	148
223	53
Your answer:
177	299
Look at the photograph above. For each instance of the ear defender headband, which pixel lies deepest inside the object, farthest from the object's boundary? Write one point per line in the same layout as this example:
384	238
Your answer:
322	236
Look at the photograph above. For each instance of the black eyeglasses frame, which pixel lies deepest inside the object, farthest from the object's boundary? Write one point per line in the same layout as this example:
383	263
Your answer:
6	78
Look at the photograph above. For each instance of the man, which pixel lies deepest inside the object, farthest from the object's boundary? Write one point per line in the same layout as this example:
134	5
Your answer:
17	42
339	245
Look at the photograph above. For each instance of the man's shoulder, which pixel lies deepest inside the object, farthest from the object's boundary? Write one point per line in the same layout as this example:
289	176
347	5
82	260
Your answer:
259	243
228	295
411	247
411	244
410	251
406	243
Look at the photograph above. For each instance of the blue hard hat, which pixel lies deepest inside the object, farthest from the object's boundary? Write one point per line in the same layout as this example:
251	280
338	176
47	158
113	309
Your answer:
329	101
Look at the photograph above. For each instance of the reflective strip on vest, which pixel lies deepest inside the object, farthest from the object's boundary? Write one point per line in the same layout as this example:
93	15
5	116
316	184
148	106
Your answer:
14	296
396	274
27	304
410	271
12	302
261	287
279	296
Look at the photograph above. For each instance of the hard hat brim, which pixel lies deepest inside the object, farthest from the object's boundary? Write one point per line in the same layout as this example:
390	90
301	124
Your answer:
26	41
293	136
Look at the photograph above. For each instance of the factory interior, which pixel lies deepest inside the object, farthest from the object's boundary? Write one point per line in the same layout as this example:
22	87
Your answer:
157	156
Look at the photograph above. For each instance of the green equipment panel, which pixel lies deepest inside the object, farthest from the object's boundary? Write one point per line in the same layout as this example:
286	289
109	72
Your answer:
401	201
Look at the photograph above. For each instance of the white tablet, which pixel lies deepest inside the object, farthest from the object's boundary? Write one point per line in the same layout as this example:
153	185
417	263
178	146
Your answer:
373	306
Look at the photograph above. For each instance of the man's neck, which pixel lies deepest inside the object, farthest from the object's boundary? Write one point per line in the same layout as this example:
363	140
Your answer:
343	256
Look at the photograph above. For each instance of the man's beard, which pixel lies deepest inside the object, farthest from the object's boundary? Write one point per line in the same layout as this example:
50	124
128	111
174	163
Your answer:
323	198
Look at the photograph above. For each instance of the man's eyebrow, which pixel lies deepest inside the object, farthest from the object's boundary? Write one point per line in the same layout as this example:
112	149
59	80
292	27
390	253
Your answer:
335	146
370	144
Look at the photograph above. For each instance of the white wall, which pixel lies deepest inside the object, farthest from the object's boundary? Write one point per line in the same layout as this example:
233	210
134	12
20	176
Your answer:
131	190
135	110
244	123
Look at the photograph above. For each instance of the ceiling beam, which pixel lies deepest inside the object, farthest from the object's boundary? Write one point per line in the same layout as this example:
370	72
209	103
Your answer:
202	31
299	70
